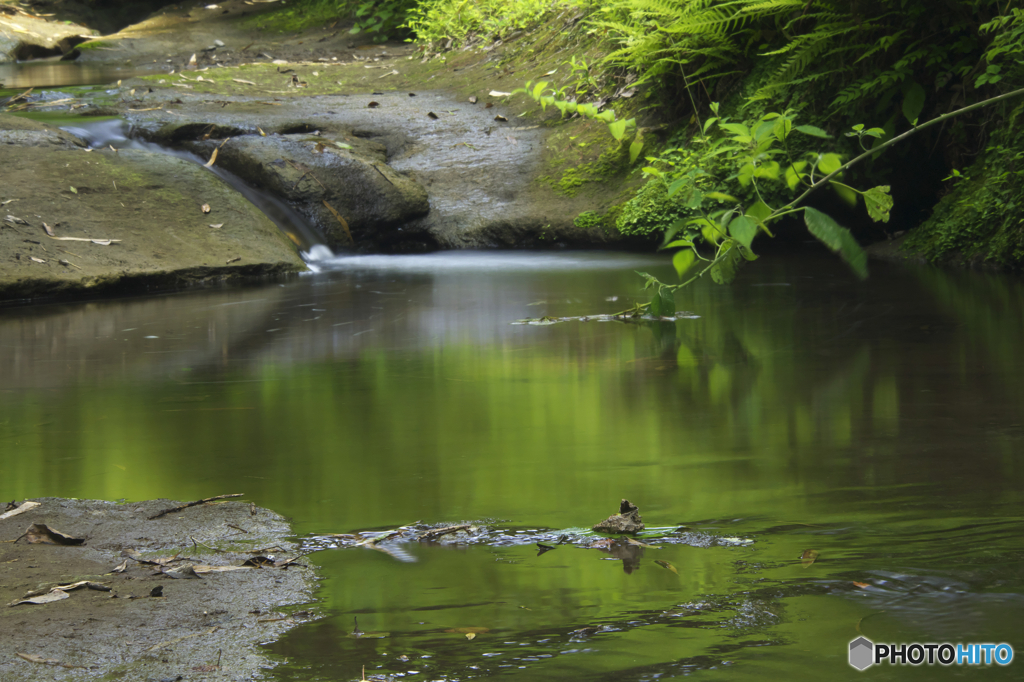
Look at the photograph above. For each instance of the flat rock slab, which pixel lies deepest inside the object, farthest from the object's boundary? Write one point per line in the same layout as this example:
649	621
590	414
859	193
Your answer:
148	205
126	633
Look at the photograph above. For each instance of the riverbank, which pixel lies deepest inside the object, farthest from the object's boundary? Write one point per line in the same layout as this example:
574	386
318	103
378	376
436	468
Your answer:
132	591
381	150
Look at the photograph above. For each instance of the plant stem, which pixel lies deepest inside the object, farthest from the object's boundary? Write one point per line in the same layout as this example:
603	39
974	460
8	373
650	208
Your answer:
900	138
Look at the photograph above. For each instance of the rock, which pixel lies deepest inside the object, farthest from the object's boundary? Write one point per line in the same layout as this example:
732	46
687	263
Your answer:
626	521
23	36
147	204
371	197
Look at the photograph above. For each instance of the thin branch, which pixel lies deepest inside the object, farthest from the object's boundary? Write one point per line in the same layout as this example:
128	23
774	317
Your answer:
900	138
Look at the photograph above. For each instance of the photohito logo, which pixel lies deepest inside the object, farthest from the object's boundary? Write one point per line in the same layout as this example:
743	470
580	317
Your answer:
864	653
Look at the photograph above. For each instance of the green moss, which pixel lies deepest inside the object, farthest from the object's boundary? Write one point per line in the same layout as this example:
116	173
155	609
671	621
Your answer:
588	219
650	211
981	219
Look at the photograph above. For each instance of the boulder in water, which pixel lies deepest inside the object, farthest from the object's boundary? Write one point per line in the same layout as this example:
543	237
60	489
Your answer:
626	521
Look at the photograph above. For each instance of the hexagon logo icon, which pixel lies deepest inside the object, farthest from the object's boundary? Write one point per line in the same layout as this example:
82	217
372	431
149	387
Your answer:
862	653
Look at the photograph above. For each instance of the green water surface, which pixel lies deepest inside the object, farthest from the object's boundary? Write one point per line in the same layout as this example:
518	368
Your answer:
878	424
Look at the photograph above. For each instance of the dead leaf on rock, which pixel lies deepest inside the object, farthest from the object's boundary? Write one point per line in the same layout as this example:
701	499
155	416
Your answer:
239	80
431	114
470	635
473	99
232	260
73	190
373	105
49	230
51	596
488	105
32	658
205	208
120	568
24	507
808	557
342	221
163	561
180	573
217	226
203	568
15	220
213	159
498	93
41	534
501	118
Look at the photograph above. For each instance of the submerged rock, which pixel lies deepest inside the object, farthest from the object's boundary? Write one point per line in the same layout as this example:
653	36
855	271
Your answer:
626	521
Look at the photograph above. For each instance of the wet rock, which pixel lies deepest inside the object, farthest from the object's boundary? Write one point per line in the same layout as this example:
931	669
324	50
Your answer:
23	36
372	198
15	130
626	521
146	204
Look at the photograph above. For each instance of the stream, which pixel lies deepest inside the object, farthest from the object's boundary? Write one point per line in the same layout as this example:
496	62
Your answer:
815	458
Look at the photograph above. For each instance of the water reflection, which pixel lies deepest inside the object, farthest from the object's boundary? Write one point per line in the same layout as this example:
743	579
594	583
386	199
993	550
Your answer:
876	423
55	74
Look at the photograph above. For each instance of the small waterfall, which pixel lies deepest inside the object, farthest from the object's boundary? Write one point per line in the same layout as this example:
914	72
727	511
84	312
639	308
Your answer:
116	133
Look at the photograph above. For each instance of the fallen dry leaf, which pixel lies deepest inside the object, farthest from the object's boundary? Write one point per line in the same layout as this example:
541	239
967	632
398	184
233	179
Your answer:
473	99
48	229
373	105
344	223
217	226
213	158
24	507
501	118
431	114
205	208
41	534
239	80
232	260
51	596
808	557
120	568
665	564
470	635
498	93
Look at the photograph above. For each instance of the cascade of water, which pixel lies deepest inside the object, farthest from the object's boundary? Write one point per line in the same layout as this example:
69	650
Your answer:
116	133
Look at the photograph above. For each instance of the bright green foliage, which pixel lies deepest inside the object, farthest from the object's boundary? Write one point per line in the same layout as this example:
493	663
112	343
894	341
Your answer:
382	18
438	22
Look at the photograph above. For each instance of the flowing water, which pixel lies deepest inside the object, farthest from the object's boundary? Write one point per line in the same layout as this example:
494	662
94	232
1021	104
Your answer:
815	458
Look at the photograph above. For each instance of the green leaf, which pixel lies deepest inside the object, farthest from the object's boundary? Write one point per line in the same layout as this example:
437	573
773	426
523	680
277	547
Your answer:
724	271
813	132
838	239
606	116
634	149
663	303
708	123
794	174
743	230
746	174
847	194
768	170
913	102
538	89
721	196
829	163
879	203
678	243
342	145
759	211
649	280
676	186
617	129
696	199
683	261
